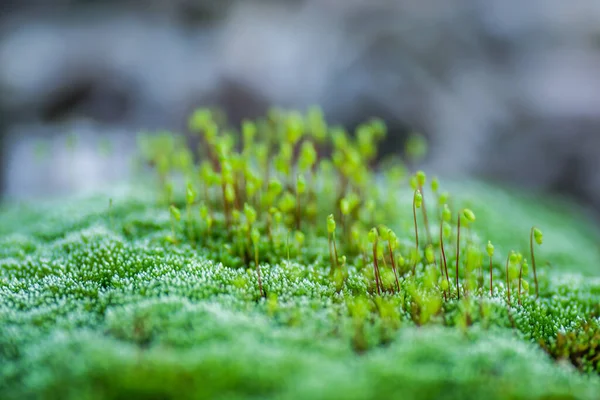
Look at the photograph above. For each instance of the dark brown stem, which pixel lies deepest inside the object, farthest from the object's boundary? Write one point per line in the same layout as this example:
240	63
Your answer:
442	274
425	219
416	234
537	292
394	266
457	256
376	268
443	252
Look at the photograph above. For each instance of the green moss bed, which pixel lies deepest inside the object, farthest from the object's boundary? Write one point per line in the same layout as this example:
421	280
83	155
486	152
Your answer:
151	290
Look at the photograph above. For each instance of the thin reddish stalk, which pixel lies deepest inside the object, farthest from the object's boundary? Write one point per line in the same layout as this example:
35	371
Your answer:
394	266
537	292
443	252
416	234
376	268
425	219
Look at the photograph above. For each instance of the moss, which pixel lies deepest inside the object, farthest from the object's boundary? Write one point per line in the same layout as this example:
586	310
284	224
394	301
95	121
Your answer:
98	303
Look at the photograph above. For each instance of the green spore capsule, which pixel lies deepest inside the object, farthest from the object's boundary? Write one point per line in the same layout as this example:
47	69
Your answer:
299	237
330	224
446	213
373	234
229	193
469	215
429	254
538	236
250	213
300	184
345	206
255	236
489	248
421	178
435	184
175	213
190	194
418	199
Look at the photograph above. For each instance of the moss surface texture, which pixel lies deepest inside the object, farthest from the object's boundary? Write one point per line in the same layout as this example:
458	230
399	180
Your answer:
153	291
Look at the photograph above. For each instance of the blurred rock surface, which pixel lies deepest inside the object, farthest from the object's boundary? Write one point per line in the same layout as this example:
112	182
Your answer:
504	89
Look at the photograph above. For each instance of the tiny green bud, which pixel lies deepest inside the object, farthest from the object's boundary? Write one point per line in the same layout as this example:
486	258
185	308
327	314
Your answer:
446	213
490	248
513	258
421	178
229	193
435	184
373	235
308	156
525	267
392	238
248	131
469	215
400	260
418	199
414	184
519	257
444	284
203	211
429	254
255	236
299	237
443	198
250	213
330	224
275	187
236	215
345	206
446	230
287	202
175	213
538	236
384	232
277	216
355	232
525	285
190	194
300	184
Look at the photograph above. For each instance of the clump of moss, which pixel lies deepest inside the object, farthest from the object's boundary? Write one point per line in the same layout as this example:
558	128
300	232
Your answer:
284	260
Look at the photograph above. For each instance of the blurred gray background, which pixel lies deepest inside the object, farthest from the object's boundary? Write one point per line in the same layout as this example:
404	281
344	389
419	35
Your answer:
506	90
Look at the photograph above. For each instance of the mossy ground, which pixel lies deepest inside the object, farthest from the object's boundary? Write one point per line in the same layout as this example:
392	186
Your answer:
155	291
96	305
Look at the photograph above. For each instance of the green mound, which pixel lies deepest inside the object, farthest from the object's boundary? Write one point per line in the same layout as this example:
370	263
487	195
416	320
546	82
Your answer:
155	293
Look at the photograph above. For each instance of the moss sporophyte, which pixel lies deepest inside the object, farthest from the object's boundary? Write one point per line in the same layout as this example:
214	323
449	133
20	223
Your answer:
281	178
299	225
